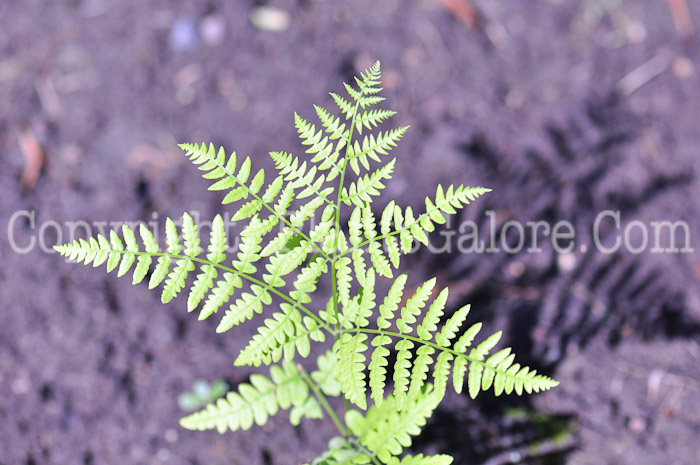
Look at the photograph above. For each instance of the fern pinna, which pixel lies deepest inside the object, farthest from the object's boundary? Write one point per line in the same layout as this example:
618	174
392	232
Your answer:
293	235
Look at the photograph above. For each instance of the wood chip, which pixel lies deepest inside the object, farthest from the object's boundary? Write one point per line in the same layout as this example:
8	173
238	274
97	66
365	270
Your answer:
463	11
33	157
150	160
681	17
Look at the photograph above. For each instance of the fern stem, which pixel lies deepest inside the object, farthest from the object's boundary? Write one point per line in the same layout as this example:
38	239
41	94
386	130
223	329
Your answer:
323	401
371	456
341	184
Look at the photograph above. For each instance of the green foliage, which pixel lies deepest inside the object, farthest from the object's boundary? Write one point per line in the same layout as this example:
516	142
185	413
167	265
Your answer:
293	234
201	394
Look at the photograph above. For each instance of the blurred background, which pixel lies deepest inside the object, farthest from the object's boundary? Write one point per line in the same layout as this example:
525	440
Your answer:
565	108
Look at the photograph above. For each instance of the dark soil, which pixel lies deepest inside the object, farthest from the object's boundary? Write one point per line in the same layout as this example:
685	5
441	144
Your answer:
531	102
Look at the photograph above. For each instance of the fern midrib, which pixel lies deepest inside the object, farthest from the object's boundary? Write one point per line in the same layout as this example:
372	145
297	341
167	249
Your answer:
341	185
435	346
250	278
323	401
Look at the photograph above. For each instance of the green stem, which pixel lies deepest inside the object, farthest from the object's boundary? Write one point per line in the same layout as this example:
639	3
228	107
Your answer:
323	401
344	169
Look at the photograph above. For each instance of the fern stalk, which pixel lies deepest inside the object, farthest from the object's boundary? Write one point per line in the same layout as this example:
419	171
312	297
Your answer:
324	402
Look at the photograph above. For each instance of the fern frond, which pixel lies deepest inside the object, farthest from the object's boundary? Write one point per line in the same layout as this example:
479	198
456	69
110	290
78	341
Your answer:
350	369
217	166
289	167
176	278
414	305
381	264
402	370
305	283
411	374
347	108
145	260
409	228
373	146
335	128
369	81
372	118
320	146
289	263
324	375
343	277
386	430
296	220
282	335
368	186
424	354
245	308
379	362
217	254
254	402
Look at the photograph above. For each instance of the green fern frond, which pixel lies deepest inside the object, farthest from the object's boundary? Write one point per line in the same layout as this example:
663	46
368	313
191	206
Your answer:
344	279
283	335
346	108
376	254
321	146
386	430
324	375
334	126
217	166
410	374
254	402
379	362
217	254
409	228
368	186
282	257
372	118
350	369
288	166
373	146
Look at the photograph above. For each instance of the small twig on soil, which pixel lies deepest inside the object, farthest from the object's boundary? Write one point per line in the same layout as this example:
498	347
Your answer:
532	451
681	17
49	99
33	156
463	11
644	73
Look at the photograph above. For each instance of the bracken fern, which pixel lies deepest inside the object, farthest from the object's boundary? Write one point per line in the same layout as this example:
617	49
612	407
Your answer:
283	253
